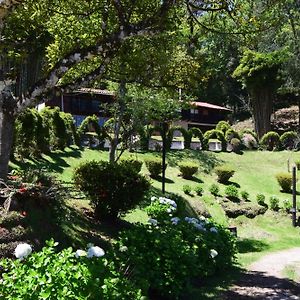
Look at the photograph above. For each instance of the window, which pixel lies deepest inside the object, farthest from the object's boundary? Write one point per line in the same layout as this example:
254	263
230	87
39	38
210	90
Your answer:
194	111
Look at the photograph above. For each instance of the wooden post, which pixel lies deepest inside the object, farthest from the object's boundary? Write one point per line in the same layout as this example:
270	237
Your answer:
294	216
288	165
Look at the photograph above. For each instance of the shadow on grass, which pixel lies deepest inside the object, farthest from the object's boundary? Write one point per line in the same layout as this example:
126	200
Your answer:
232	183
57	164
251	245
207	160
159	179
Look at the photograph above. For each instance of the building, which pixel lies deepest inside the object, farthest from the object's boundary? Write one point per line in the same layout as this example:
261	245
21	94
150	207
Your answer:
202	115
82	103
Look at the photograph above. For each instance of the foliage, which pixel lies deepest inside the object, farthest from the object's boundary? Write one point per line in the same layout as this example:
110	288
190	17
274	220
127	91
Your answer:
274	203
249	141
214	189
261	198
161	208
232	192
230	134
288	140
132	163
217	134
154	167
194	132
287	205
270	141
236	145
184	132
245	195
112	188
223	126
201	246
188	169
60	275
224	173
187	189
250	210
285	180
199	190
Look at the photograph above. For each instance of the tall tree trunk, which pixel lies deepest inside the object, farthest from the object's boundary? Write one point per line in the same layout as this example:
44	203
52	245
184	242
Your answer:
119	118
6	140
262	103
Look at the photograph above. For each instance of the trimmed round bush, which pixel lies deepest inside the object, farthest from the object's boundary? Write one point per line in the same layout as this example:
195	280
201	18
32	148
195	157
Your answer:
270	141
214	189
230	134
214	134
232	192
223	126
112	188
261	198
285	181
288	140
199	190
224	173
236	145
135	164
187	189
154	167
188	169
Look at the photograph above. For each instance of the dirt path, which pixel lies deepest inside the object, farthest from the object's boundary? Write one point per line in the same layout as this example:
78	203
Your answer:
264	279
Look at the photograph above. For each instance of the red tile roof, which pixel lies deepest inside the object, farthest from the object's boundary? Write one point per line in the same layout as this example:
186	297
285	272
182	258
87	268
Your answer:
209	105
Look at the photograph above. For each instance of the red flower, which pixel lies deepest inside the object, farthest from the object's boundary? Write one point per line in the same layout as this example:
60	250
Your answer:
24	213
22	190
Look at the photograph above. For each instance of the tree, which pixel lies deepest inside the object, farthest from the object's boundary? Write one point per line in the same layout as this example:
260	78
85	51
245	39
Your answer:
78	40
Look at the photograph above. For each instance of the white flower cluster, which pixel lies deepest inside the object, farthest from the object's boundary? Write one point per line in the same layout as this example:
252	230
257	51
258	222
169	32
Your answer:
201	224
22	251
153	222
213	253
93	251
165	201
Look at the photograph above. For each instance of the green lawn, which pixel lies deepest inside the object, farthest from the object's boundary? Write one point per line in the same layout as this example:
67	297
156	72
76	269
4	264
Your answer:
255	173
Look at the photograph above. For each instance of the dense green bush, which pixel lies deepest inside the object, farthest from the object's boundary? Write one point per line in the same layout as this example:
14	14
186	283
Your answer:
236	145
154	167
214	189
64	275
261	198
285	180
270	141
224	173
245	195
215	134
288	140
232	192
132	163
153	252
223	126
199	190
188	169
287	204
231	134
274	203
112	188
187	189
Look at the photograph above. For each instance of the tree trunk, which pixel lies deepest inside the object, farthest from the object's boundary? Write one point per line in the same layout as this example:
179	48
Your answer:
262	103
6	141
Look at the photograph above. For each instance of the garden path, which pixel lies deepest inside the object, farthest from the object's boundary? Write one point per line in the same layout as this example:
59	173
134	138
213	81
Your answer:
264	279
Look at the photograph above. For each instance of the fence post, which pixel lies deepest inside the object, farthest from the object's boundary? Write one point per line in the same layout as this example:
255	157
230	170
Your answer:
294	209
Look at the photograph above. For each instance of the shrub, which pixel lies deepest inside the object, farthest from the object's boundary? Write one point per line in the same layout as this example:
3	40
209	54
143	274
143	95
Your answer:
187	189
236	145
261	198
188	170
224	173
249	141
214	134
199	190
274	203
214	189
60	275
231	134
112	188
285	180
135	164
232	192
270	141
288	140
201	246
161	208
233	210
245	195
223	126
287	205
154	167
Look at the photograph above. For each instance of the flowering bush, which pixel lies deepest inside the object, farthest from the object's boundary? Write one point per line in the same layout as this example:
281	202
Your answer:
153	252
160	208
63	275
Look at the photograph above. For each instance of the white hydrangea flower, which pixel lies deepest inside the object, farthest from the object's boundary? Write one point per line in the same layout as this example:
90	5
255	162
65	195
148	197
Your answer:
123	249
153	198
213	253
22	251
153	222
80	253
213	229
95	251
202	218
